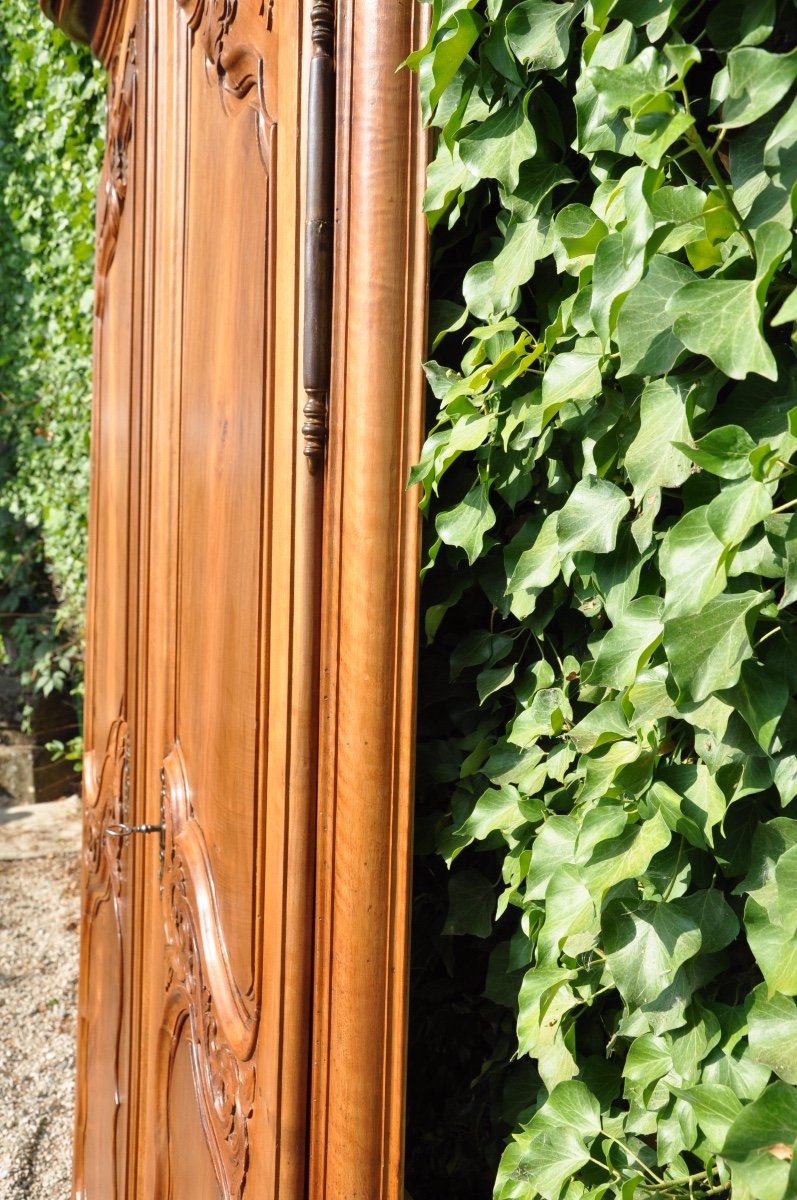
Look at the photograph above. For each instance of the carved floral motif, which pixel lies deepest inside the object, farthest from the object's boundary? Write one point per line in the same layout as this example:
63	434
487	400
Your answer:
114	179
200	984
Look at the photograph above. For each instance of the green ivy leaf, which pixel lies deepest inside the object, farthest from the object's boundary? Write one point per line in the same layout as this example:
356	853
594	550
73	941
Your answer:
722	319
572	376
550	1159
546	715
571	920
768	1121
614	273
773	1032
544	990
645	944
757	80
591	516
706	649
654	459
760	697
625	857
633	83
438	68
471	904
692	563
496	810
626	648
491	287
725	452
570	1106
465	524
537	31
716	1107
737	509
498	146
774	949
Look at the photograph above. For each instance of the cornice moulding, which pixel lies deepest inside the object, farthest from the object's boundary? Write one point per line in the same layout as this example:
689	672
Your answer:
94	22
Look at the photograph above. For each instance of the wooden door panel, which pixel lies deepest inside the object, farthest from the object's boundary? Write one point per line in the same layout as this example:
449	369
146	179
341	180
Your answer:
222	533
213	471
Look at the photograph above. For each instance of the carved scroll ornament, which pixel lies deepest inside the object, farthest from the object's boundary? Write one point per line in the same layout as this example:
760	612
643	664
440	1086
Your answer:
114	178
200	988
232	61
105	803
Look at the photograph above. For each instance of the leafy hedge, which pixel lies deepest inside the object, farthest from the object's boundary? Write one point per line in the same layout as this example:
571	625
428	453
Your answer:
51	141
608	757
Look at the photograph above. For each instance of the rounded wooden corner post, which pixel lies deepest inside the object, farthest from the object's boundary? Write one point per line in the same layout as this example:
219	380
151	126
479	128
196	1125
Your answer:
370	611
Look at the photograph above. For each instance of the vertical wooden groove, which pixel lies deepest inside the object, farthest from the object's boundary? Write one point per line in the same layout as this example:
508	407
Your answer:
318	231
370	615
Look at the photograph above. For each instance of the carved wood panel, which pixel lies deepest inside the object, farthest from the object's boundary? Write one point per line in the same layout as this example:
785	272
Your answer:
231	34
201	988
114	179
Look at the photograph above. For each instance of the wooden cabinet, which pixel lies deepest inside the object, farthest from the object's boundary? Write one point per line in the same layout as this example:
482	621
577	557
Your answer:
253	596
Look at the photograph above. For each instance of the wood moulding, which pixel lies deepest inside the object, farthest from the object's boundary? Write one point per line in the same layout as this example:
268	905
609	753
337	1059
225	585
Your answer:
369	611
94	22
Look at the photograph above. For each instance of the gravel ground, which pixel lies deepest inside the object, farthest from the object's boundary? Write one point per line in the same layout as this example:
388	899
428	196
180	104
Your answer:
39	914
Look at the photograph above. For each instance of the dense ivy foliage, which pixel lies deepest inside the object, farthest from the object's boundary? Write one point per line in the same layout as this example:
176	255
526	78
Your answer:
608	757
51	139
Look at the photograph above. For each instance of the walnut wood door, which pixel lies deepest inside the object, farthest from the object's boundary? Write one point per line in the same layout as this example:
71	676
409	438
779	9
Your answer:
252	609
197	939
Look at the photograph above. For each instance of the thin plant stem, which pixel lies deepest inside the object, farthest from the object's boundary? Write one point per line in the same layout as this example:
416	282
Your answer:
658	1181
695	140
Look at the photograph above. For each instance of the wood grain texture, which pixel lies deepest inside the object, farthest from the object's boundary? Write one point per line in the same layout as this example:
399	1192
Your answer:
369	607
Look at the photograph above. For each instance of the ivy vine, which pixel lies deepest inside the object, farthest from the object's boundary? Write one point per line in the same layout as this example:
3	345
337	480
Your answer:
608	756
52	110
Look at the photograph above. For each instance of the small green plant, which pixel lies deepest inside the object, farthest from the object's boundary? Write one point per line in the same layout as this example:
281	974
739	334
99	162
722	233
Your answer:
51	143
611	493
